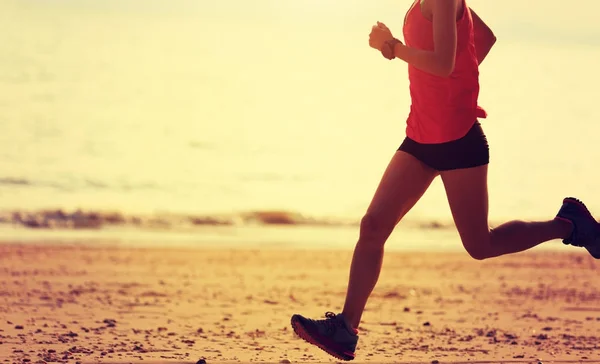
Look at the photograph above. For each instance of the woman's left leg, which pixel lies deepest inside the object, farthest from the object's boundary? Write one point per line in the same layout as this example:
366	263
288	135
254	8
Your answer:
467	194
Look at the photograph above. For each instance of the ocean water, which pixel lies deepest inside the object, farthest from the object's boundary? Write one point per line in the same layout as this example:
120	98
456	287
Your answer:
224	107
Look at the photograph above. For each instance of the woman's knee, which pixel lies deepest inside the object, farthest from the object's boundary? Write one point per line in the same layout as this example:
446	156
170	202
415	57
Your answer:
478	246
478	253
375	230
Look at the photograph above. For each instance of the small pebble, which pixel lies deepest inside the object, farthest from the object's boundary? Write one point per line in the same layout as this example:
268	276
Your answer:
110	322
201	361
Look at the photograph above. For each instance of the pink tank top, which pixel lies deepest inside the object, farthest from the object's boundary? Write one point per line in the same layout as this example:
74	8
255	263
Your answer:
442	109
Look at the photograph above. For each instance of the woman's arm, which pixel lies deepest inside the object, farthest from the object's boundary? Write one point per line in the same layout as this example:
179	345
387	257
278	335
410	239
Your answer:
440	61
484	37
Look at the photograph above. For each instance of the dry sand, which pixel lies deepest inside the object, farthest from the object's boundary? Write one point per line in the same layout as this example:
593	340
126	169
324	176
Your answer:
83	304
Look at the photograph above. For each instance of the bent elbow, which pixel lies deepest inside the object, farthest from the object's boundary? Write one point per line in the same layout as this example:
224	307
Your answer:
446	69
446	73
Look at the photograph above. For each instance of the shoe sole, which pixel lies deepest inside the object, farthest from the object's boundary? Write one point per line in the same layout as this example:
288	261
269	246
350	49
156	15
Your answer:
582	206
304	335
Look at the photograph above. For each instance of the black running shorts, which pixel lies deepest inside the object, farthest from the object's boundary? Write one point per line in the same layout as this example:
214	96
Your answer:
470	151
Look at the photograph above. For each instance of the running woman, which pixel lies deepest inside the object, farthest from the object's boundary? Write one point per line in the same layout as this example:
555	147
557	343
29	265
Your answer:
445	44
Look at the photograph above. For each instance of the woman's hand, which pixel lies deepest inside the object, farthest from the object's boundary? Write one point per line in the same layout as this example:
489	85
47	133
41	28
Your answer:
380	33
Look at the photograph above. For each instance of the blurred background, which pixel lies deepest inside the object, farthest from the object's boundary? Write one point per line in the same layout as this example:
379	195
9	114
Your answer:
271	111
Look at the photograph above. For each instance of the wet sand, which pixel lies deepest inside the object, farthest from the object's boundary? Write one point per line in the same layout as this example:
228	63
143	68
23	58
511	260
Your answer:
124	305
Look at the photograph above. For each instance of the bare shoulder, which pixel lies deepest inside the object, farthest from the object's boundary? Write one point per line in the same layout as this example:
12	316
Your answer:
428	6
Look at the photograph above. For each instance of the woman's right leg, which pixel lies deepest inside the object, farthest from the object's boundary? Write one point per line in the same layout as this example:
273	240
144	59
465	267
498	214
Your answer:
404	182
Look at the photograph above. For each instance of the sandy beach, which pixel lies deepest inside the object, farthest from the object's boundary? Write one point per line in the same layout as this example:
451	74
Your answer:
127	305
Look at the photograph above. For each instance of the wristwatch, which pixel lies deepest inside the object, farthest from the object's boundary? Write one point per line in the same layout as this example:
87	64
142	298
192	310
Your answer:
388	48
